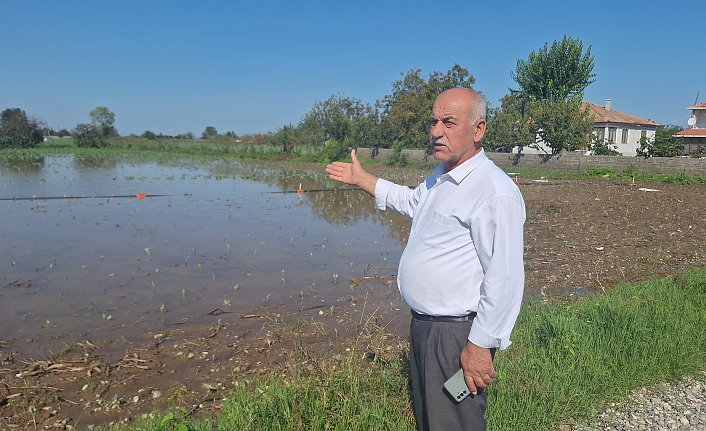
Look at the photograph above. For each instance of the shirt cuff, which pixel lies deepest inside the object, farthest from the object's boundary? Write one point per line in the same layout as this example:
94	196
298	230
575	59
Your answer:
481	338
382	189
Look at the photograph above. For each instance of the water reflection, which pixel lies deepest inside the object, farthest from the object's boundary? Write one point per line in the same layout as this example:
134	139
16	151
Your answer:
73	268
343	208
22	165
95	160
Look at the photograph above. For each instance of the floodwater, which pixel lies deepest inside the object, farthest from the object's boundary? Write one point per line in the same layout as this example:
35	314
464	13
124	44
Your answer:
224	238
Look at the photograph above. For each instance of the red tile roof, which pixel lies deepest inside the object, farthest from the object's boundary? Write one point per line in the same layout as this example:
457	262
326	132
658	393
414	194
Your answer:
692	133
701	105
603	115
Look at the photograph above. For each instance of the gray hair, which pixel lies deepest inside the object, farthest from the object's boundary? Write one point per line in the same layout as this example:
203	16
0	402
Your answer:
479	107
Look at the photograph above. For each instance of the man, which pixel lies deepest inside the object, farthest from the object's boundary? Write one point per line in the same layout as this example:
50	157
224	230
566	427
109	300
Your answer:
462	271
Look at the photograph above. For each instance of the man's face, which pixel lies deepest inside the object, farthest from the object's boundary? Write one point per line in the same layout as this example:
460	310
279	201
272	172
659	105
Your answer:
452	136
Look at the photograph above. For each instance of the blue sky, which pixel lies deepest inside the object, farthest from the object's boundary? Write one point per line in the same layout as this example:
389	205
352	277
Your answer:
179	66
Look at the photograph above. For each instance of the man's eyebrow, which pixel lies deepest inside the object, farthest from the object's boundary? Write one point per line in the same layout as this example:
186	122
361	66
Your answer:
443	118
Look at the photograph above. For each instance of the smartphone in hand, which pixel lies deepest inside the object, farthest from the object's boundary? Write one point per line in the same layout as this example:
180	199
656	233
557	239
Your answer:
456	386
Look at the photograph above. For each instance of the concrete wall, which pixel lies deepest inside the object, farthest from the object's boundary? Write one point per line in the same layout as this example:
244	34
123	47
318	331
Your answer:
577	163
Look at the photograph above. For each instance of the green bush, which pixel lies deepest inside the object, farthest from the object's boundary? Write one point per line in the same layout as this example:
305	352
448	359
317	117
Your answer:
17	130
397	158
603	148
87	135
598	172
333	151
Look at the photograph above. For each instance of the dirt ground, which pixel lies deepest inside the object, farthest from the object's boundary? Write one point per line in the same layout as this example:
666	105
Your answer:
582	237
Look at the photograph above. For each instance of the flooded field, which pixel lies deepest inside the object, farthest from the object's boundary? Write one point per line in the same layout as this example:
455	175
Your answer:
111	307
222	239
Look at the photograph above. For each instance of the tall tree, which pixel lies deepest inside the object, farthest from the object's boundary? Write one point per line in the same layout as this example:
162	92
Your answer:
552	81
17	130
103	119
340	118
209	132
560	72
405	112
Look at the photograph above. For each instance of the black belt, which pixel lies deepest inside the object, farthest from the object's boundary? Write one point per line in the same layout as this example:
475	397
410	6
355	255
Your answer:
457	319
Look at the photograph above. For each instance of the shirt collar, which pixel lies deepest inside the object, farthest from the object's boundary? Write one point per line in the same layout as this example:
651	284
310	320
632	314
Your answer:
460	172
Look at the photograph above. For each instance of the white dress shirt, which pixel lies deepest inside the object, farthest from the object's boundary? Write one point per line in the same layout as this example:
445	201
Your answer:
465	249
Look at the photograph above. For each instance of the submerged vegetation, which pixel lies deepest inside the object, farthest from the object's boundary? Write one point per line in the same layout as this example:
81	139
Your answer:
223	148
568	359
21	156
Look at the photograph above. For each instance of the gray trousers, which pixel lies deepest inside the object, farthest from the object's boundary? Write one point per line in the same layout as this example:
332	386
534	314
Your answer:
435	352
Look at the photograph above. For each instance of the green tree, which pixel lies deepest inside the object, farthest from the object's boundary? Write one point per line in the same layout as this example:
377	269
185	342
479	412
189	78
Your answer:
509	125
103	120
525	122
547	106
561	124
405	112
284	137
664	143
338	122
17	130
560	72
88	135
148	134
310	131
209	132
339	118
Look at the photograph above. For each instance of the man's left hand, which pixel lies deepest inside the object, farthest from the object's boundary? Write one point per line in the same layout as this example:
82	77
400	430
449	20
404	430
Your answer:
477	364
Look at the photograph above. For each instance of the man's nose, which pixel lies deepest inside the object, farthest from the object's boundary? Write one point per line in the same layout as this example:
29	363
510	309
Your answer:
437	130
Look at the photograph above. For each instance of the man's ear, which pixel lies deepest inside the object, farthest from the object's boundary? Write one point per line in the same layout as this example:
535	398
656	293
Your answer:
479	131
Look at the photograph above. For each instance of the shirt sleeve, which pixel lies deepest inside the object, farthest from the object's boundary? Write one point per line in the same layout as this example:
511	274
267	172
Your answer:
497	233
400	198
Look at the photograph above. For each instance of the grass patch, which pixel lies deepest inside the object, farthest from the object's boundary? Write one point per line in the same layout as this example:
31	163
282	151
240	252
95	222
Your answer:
632	172
21	156
212	147
606	173
344	400
568	359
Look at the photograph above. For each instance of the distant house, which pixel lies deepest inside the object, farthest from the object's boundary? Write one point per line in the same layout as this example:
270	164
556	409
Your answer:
620	129
694	138
614	127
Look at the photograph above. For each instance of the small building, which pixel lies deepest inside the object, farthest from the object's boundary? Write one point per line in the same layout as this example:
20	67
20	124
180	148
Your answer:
694	138
624	131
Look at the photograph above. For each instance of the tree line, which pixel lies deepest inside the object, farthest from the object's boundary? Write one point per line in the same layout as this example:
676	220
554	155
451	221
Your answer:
545	107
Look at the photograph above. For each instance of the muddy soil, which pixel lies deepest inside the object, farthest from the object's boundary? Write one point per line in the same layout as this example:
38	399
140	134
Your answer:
582	237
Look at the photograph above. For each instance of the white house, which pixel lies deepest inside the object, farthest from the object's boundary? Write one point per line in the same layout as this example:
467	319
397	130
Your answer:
694	138
622	130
